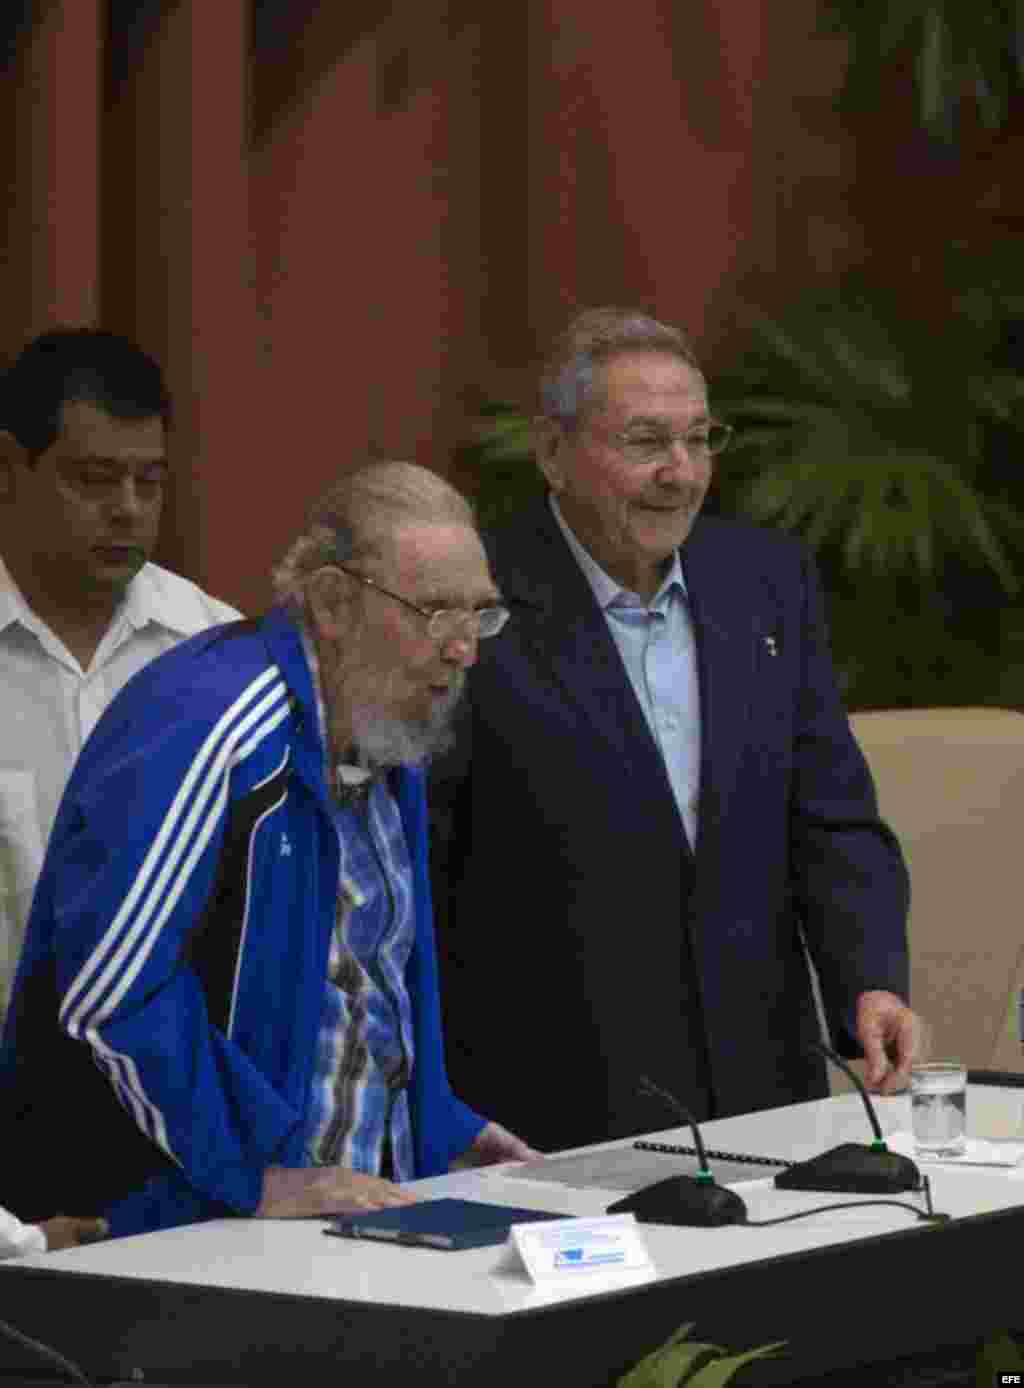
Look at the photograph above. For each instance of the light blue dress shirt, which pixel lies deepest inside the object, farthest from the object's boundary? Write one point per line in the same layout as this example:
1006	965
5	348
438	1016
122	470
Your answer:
656	642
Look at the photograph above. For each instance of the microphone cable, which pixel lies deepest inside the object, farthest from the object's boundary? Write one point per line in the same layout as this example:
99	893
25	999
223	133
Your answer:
51	1356
934	1217
655	1091
930	1216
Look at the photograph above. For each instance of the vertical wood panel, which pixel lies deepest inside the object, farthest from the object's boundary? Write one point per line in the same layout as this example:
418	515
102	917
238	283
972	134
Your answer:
367	260
50	113
641	180
177	256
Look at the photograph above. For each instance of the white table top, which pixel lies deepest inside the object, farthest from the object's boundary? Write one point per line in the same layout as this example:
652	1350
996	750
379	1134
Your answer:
293	1257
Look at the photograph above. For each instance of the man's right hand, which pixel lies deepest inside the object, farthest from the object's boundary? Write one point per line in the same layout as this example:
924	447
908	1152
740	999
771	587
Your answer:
68	1231
291	1192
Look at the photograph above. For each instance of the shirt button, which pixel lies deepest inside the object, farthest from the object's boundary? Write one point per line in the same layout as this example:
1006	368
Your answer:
671	724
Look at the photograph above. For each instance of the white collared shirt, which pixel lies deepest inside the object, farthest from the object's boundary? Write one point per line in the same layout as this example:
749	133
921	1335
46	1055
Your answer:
658	648
50	706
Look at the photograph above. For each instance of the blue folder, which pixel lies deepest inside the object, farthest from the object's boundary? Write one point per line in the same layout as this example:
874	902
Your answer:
448	1224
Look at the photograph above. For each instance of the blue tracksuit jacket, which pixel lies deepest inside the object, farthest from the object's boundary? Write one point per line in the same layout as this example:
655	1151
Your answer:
159	1047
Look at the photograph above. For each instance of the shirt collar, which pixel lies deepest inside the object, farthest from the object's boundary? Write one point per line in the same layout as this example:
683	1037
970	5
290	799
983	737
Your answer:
147	599
13	607
313	661
344	779
606	589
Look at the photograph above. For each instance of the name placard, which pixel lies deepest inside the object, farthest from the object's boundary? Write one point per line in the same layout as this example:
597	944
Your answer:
563	1249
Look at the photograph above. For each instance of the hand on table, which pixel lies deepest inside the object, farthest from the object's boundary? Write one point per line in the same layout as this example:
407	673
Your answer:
291	1192
493	1144
892	1037
68	1231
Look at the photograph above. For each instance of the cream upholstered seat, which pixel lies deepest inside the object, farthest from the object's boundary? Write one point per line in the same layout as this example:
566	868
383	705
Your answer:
951	785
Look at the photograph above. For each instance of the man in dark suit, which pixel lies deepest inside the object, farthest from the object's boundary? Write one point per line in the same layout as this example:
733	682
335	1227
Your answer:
656	802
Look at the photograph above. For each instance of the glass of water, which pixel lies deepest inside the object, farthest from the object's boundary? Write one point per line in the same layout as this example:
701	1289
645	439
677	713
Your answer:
938	1108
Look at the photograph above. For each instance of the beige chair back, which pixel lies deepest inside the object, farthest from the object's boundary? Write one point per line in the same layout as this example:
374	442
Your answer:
951	785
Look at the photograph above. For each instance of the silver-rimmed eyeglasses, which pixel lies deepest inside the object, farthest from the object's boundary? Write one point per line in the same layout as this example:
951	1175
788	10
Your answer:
648	445
443	623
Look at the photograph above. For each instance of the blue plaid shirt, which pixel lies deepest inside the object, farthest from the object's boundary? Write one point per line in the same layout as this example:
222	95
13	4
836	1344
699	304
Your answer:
365	1051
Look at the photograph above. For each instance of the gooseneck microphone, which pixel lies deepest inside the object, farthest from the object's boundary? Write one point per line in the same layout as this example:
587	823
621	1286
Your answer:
693	1200
856	1169
853	1167
648	1087
858	1084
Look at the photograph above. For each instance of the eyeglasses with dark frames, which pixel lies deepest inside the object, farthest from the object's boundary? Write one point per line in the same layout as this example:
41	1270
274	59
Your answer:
443	623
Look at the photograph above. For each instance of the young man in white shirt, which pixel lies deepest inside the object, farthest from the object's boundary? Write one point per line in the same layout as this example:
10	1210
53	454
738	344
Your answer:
83	426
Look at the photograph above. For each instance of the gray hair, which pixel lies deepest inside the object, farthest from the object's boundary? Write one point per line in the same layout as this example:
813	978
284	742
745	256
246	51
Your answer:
358	517
592	338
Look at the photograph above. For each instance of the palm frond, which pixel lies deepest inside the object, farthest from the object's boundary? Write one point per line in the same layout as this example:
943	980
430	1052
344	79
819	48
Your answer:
936	70
886	512
952	45
868	435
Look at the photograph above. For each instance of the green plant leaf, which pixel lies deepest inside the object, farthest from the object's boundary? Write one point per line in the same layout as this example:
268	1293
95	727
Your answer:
869	436
663	1366
719	1372
500	448
684	1363
999	396
953	47
936	69
997	1355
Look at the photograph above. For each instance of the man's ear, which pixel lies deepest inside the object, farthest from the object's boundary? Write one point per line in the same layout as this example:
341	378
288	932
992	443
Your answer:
548	447
11	452
328	605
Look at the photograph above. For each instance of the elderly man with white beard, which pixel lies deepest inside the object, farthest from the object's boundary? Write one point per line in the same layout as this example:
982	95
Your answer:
230	960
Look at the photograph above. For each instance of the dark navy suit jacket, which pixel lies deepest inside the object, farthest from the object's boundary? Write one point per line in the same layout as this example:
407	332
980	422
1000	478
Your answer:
582	942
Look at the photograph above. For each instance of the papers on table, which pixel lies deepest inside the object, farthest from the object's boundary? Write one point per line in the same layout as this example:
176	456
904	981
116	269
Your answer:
623	1168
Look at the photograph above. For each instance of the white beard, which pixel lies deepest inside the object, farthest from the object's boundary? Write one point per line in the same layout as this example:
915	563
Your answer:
381	739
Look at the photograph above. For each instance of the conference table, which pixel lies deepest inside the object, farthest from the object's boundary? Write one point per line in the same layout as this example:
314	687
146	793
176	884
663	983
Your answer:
247	1301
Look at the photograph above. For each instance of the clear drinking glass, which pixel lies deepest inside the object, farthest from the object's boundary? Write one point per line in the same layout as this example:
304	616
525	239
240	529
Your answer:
938	1108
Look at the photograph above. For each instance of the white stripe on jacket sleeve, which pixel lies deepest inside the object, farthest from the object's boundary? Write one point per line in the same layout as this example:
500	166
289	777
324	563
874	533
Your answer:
95	976
189	824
